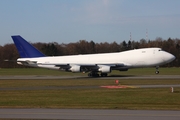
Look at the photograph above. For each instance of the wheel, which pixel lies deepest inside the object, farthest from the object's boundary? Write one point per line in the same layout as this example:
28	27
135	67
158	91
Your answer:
103	74
93	74
157	72
96	75
90	74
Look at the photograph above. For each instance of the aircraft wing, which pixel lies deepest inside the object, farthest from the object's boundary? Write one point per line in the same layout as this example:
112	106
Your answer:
83	67
68	65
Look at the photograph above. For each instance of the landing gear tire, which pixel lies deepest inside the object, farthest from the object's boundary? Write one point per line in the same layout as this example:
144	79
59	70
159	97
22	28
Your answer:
90	74
93	74
104	74
157	71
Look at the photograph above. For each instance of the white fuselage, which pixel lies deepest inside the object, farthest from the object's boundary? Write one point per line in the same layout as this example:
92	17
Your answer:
146	57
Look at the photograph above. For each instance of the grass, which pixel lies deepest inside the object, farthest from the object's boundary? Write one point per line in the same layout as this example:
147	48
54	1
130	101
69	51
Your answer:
51	94
81	82
158	98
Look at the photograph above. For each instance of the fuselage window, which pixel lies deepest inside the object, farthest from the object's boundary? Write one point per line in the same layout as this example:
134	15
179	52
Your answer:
143	51
160	49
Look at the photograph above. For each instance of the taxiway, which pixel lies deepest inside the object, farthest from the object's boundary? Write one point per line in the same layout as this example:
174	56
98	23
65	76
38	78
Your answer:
87	114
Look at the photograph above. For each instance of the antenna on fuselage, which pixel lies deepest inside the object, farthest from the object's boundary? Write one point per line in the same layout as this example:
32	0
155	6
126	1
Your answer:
146	34
130	36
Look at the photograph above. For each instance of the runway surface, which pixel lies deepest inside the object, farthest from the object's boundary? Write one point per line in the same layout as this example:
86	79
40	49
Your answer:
88	114
81	77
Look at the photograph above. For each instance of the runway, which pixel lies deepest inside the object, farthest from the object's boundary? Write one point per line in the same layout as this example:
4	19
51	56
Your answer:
31	77
88	114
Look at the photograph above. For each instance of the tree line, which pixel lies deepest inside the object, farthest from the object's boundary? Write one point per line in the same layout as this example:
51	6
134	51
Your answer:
9	52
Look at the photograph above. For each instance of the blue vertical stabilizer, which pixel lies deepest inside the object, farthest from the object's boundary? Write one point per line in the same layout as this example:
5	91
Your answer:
25	49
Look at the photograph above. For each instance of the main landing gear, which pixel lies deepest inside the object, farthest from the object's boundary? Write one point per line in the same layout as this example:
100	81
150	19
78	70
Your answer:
157	71
95	74
104	74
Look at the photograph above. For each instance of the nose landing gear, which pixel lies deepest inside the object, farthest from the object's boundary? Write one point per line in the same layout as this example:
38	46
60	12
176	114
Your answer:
157	71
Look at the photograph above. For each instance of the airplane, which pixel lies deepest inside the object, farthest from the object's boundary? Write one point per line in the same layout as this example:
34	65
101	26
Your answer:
94	64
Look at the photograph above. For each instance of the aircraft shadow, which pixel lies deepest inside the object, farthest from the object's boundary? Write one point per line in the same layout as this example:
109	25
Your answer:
121	76
110	76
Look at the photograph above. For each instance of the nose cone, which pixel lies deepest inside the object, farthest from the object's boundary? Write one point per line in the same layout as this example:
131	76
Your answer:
168	57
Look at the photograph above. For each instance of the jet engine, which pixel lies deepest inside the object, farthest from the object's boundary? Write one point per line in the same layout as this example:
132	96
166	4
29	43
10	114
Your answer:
104	69
75	68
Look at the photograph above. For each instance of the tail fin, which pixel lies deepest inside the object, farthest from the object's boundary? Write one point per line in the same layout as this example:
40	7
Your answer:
25	49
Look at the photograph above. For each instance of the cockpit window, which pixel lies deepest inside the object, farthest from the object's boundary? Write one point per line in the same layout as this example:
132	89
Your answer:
160	50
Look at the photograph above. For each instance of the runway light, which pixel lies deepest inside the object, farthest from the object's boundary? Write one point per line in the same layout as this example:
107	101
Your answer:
117	81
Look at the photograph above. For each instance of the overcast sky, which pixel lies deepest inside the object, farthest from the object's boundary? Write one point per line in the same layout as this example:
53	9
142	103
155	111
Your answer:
66	21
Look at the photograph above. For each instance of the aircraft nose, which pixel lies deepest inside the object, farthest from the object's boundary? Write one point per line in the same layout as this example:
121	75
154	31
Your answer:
168	57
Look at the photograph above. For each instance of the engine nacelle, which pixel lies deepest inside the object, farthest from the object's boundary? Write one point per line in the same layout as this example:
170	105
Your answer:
75	68
104	69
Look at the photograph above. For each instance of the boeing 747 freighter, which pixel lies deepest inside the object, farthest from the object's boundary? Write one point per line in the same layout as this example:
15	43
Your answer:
94	64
